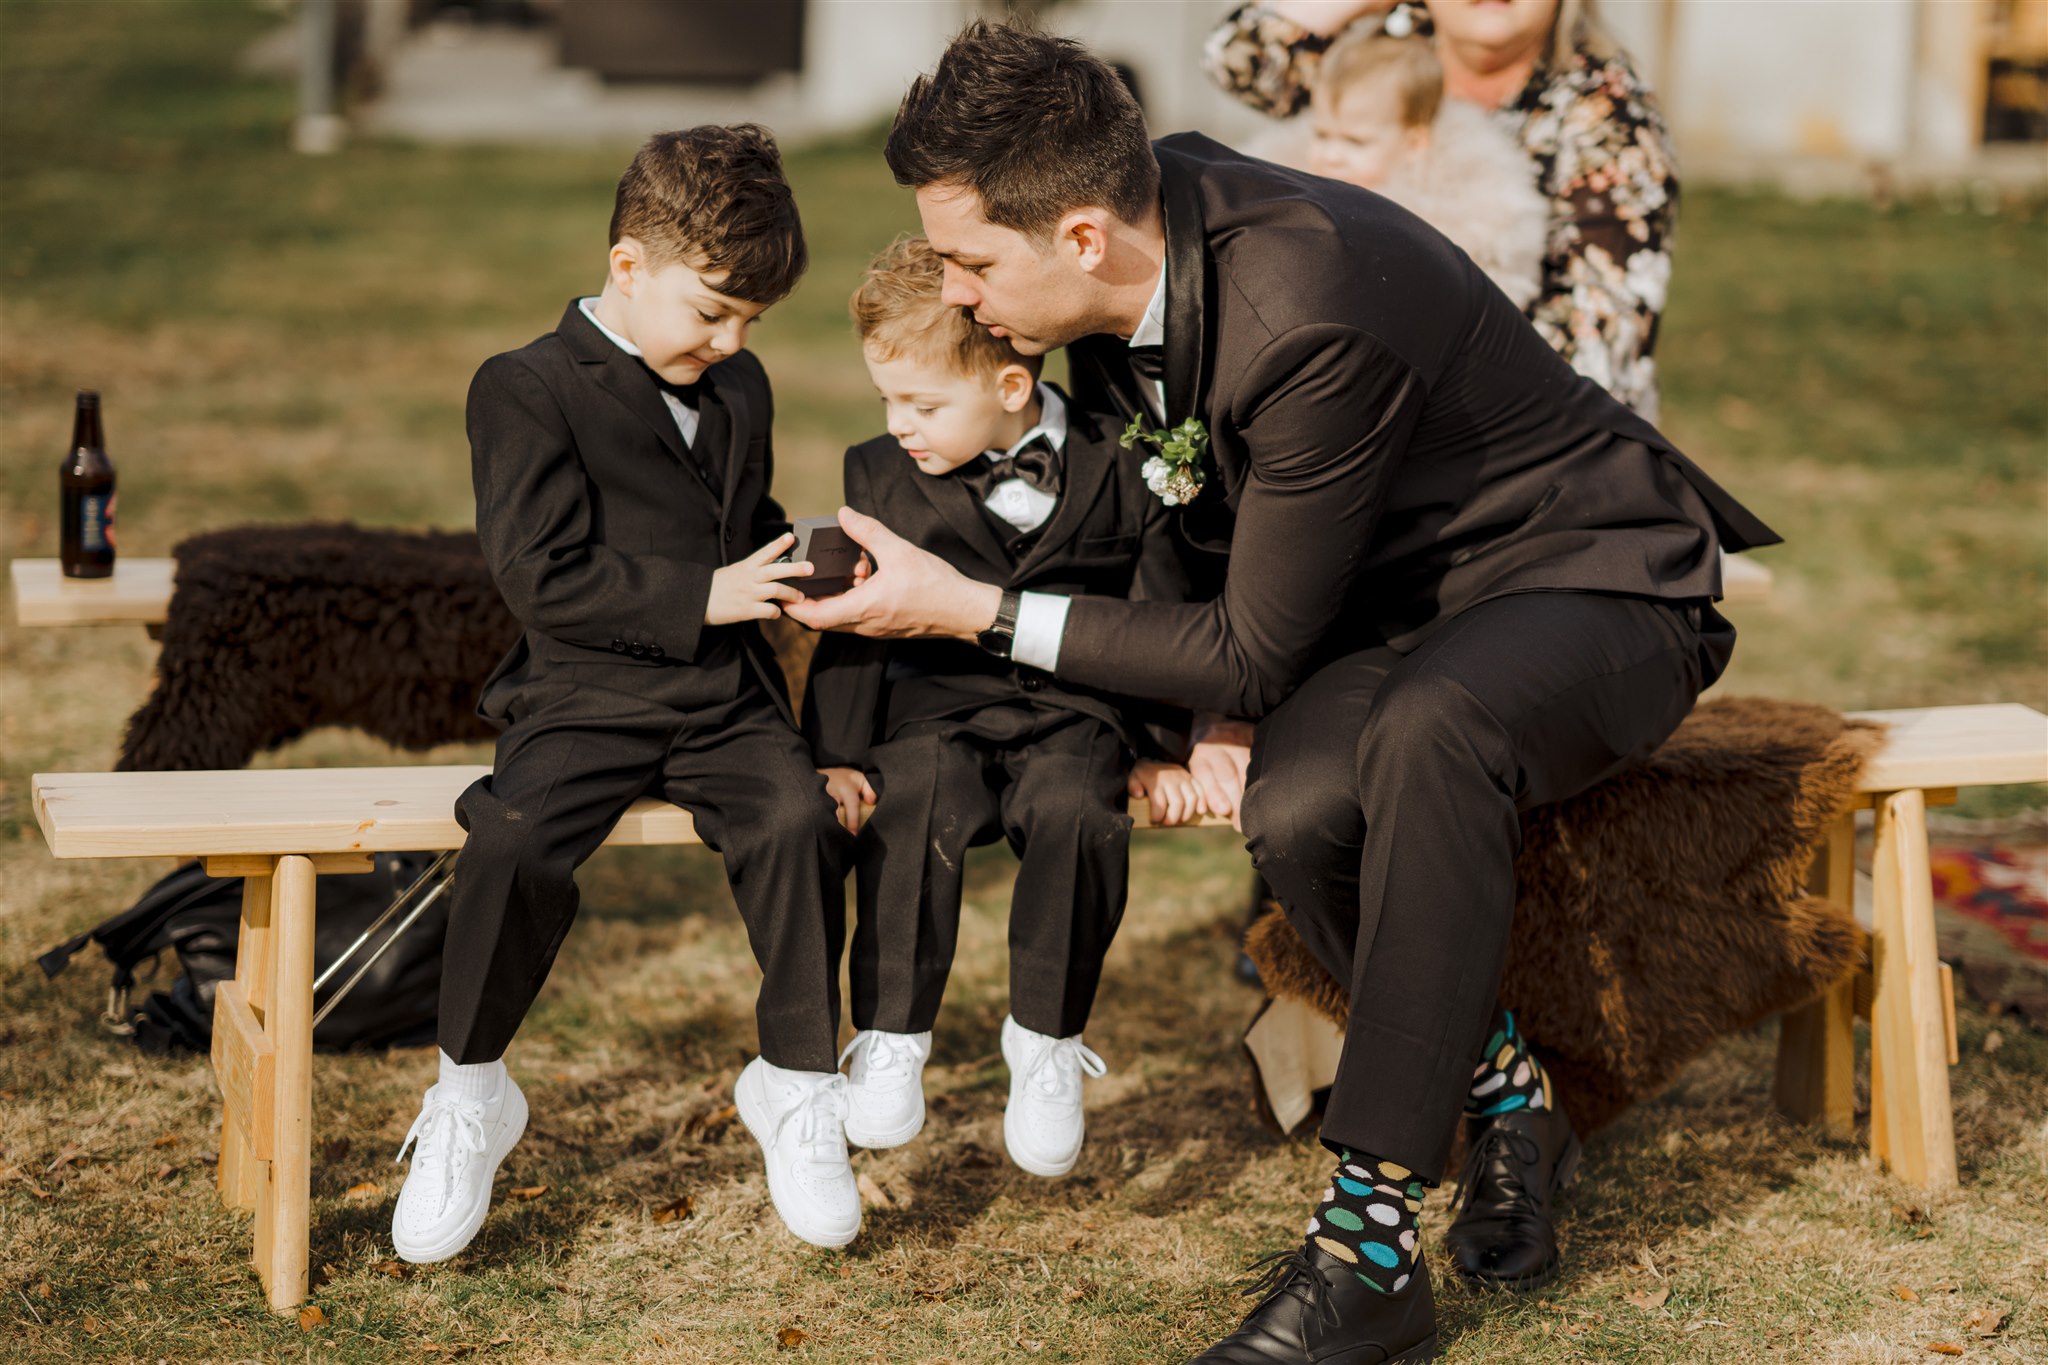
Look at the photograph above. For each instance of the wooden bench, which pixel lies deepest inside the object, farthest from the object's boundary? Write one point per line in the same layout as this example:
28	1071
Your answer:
281	830
139	592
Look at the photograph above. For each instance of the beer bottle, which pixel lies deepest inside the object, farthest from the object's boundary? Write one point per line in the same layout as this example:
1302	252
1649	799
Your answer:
87	483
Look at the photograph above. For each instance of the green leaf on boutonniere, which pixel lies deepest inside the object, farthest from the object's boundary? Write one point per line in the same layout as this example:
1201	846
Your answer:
1175	474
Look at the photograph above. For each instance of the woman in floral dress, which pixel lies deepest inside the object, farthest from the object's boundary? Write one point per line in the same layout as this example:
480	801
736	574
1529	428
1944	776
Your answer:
1560	85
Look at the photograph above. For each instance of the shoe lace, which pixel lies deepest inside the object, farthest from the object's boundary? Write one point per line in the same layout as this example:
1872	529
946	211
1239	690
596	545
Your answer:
1293	1272
443	1139
818	1120
1055	1071
884	1057
1497	1144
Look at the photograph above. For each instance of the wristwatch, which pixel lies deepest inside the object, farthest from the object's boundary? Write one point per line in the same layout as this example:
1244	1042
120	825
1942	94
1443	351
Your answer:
1002	632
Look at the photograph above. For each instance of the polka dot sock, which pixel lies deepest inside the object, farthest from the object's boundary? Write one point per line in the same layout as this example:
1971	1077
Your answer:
1508	1077
1371	1220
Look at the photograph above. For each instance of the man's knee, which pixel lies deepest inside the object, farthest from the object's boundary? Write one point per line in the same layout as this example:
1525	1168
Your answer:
1293	810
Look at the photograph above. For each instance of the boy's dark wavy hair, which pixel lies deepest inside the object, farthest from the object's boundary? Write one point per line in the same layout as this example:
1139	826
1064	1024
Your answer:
714	198
1036	125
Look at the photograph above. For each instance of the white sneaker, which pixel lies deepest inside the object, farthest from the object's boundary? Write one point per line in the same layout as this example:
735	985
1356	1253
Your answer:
1044	1125
457	1143
799	1118
885	1087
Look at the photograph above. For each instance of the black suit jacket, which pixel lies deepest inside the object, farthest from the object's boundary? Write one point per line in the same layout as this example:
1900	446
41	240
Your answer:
1108	535
601	528
1391	443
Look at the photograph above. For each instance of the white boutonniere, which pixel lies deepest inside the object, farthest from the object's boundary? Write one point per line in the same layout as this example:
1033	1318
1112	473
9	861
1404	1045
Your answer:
1175	474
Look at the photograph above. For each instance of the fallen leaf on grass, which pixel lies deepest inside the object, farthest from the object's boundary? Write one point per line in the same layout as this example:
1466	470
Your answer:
1654	1298
871	1194
1944	1348
1903	1292
1993	1041
395	1269
167	1140
710	1125
166	1171
311	1317
356	1194
527	1191
1985	1322
675	1209
71	1153
44	1291
789	1338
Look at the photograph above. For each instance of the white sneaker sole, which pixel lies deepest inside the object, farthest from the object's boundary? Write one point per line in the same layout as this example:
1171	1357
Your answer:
748	1096
876	1141
508	1137
1031	1165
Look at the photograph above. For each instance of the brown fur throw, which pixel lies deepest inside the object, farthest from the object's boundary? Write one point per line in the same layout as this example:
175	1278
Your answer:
1665	907
276	630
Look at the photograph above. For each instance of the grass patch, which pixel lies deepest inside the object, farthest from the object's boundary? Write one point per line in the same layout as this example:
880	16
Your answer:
282	337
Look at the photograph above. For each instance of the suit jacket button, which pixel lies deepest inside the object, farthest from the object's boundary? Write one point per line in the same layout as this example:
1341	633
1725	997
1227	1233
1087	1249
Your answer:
1033	684
654	651
618	646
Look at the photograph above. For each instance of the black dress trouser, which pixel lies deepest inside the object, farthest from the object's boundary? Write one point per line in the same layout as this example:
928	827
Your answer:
575	756
1384	809
1050	781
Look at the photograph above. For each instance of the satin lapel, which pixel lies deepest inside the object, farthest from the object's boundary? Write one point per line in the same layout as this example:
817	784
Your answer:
1084	476
733	398
957	507
628	382
1187	291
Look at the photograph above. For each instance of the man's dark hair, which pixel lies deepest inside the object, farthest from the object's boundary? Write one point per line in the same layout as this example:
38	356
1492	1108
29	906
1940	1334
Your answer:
714	198
1035	125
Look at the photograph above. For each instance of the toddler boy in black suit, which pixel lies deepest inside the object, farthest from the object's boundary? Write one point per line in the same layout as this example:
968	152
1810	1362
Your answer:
955	746
622	466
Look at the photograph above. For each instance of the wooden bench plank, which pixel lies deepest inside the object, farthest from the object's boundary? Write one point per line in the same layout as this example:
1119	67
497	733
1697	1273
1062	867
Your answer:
1744	581
137	593
293	810
1958	746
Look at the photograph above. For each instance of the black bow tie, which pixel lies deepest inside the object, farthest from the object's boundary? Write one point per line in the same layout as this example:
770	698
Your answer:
687	393
1149	362
1036	463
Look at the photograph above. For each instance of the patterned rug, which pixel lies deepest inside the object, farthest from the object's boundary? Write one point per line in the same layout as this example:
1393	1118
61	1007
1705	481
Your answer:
2005	889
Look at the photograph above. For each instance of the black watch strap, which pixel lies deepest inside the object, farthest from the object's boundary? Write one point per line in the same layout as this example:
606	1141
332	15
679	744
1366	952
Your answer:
1002	632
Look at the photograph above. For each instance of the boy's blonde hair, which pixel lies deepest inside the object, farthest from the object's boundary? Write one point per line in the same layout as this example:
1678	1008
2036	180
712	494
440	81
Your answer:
1362	54
897	311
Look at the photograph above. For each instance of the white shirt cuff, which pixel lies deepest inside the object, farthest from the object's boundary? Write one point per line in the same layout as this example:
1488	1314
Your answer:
1041	621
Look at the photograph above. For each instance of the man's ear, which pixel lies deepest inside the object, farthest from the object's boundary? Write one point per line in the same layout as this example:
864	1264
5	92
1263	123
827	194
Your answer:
1015	385
1086	232
628	263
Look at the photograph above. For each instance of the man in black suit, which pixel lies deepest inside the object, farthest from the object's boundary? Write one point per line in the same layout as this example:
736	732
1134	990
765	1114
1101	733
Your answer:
1463	581
622	465
994	472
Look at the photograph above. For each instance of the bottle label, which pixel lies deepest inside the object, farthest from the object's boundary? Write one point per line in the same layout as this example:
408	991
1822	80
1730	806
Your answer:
96	522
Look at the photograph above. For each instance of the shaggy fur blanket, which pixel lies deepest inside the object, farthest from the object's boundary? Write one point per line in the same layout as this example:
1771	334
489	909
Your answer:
1663	908
276	630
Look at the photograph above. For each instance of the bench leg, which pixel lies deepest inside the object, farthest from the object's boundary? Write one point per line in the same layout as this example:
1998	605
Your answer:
1816	1081
239	1175
283	1203
1912	1123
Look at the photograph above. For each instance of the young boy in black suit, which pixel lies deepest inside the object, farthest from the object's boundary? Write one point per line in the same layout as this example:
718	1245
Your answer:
622	466
991	469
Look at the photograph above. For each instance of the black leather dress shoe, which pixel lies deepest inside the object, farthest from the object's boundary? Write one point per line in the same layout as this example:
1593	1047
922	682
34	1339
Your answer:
1515	1165
1315	1311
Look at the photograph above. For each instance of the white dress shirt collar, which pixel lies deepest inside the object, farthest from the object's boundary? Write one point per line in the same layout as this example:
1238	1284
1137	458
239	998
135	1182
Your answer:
1152	329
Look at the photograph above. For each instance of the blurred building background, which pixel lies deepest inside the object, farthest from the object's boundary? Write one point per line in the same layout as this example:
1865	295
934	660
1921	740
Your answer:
1818	94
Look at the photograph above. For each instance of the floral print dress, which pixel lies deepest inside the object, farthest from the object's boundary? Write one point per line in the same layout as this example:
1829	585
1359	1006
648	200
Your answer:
1603	158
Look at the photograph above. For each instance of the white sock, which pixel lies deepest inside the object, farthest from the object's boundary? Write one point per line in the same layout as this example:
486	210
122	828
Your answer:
477	1081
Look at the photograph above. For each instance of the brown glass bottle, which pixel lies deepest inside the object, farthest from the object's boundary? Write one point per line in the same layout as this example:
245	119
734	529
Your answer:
87	483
